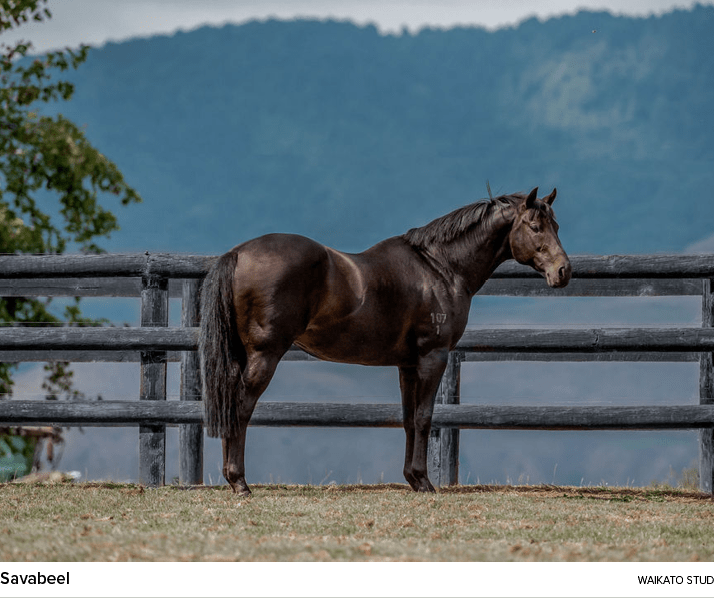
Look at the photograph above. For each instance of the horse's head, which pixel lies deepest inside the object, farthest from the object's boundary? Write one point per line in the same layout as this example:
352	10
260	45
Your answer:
534	240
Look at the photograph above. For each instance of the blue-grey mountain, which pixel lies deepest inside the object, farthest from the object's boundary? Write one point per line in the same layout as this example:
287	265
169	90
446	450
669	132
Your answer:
336	132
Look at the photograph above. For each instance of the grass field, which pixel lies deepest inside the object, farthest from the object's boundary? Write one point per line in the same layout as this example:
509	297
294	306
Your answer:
117	522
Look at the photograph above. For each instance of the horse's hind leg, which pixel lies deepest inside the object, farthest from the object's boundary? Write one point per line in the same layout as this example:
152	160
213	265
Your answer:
259	370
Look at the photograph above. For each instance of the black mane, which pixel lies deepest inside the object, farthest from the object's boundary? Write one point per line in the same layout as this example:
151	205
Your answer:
477	217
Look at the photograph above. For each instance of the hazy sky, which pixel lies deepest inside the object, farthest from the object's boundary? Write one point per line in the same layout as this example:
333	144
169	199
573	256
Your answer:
97	21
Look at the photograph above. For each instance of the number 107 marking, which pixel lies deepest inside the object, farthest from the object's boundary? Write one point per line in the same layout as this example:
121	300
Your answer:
438	319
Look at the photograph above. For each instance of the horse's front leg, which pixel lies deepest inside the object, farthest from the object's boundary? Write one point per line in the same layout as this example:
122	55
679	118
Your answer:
407	384
419	385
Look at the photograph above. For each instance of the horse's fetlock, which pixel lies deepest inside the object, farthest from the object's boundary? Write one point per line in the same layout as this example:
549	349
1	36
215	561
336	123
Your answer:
232	474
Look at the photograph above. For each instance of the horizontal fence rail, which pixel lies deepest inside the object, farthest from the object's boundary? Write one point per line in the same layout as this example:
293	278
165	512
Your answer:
178	266
634	339
157	277
98	338
119	275
130	287
313	414
175	266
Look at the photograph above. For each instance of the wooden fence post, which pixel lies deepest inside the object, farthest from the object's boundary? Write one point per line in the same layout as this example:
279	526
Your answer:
152	438
444	442
191	435
706	392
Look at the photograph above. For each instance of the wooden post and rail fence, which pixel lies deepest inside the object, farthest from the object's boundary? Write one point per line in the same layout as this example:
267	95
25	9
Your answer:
157	277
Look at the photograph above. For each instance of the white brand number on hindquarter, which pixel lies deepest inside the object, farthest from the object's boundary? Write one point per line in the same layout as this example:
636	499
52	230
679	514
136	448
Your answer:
438	319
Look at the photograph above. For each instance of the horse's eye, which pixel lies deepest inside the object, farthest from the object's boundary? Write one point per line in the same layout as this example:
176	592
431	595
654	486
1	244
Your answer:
534	227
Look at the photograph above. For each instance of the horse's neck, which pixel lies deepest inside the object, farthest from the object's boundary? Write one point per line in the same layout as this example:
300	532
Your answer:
475	262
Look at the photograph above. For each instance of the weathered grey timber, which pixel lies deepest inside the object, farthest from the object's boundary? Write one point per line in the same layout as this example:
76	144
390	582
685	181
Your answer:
576	418
98	338
190	434
103	412
105	265
617	356
300	355
653	266
443	441
633	339
706	392
649	266
83	356
311	414
592	288
152	438
621	339
130	287
95	287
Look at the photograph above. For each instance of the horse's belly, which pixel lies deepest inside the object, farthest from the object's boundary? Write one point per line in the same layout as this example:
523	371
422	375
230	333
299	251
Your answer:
363	348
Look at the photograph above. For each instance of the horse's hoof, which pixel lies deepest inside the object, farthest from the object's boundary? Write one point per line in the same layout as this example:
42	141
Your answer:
423	487
240	490
426	488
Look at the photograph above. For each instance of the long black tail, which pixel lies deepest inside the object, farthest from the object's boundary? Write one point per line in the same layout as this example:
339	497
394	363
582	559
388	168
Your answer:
220	350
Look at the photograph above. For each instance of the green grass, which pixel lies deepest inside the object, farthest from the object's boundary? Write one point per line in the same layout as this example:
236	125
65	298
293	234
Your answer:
112	522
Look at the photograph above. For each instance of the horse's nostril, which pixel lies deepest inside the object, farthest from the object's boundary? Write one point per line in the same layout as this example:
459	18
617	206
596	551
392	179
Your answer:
561	272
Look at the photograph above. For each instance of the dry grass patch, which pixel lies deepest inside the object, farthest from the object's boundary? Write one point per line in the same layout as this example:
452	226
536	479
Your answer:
109	522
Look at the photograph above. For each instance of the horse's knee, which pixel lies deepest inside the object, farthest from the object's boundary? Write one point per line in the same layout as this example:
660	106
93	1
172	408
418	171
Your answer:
422	424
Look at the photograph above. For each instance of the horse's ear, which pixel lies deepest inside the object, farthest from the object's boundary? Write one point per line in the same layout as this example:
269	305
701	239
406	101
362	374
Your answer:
530	201
549	199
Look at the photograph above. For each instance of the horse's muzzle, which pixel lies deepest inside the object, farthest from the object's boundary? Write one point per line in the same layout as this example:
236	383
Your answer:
559	276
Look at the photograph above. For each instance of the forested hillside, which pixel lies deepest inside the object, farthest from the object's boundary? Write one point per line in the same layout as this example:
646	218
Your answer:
337	132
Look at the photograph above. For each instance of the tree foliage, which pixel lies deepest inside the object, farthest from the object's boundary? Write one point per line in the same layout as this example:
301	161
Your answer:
47	157
39	152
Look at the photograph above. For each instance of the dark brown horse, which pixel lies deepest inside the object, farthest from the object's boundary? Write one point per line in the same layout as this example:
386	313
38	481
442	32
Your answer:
404	302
